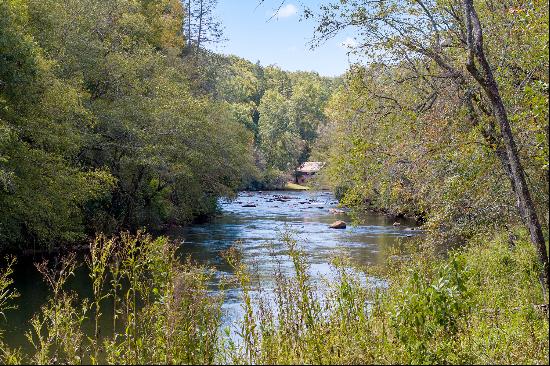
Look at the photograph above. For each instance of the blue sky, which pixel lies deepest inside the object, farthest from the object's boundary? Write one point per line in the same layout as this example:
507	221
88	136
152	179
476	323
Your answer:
281	40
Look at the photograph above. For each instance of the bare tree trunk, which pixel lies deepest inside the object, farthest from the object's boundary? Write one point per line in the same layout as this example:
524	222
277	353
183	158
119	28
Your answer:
486	79
199	34
189	40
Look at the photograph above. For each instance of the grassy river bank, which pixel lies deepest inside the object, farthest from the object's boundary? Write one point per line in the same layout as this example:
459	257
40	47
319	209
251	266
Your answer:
477	305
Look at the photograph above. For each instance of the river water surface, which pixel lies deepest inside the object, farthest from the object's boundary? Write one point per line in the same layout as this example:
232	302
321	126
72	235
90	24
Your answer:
254	221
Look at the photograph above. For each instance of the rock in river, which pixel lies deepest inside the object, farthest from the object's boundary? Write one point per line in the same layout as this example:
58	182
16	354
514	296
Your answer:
338	225
249	205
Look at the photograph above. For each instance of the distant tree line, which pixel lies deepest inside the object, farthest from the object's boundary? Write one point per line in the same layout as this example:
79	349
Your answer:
284	110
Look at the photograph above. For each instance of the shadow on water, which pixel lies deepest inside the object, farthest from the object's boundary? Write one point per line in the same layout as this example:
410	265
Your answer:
256	221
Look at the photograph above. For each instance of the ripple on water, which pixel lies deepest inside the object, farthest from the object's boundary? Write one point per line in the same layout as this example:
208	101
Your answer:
257	229
306	214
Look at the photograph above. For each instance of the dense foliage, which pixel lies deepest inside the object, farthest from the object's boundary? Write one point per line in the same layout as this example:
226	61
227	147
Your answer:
284	110
101	128
413	133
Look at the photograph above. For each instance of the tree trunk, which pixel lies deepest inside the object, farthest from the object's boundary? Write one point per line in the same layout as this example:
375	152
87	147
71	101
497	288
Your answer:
494	140
199	34
486	79
189	40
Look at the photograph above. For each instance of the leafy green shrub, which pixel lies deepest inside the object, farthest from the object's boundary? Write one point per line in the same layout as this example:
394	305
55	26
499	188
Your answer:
480	304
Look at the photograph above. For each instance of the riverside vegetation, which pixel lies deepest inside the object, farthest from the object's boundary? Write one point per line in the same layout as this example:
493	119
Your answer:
110	115
111	119
455	310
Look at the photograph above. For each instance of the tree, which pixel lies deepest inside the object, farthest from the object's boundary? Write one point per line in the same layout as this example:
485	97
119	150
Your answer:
100	127
43	186
279	136
432	40
202	27
483	74
307	103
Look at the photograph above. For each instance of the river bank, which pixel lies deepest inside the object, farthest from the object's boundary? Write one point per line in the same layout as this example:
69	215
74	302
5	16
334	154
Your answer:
257	229
425	309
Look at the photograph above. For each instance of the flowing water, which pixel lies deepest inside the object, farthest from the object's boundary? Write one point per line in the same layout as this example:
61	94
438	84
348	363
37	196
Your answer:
254	221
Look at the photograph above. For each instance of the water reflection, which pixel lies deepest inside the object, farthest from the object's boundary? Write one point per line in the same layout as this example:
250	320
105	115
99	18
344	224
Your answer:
256	221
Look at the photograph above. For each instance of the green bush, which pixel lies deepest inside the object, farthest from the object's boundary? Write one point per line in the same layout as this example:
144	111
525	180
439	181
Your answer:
480	305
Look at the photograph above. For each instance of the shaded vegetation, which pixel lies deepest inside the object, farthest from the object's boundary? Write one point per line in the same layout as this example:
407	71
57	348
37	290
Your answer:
101	128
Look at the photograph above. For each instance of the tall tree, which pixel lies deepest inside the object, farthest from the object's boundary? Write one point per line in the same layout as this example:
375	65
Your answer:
43	188
483	74
279	136
440	36
202	26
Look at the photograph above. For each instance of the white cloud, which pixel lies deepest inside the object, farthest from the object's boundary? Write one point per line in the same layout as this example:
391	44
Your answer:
349	43
286	11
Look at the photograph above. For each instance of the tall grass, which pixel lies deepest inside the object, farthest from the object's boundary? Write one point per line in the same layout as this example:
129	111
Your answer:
477	305
8	356
163	312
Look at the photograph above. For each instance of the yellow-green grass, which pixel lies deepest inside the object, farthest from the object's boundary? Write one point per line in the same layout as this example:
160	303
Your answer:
295	187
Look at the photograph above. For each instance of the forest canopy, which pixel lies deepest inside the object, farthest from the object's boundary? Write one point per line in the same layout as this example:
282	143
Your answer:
111	119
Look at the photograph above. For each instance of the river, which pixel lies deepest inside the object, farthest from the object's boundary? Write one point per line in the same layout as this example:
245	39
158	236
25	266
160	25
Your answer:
256	221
